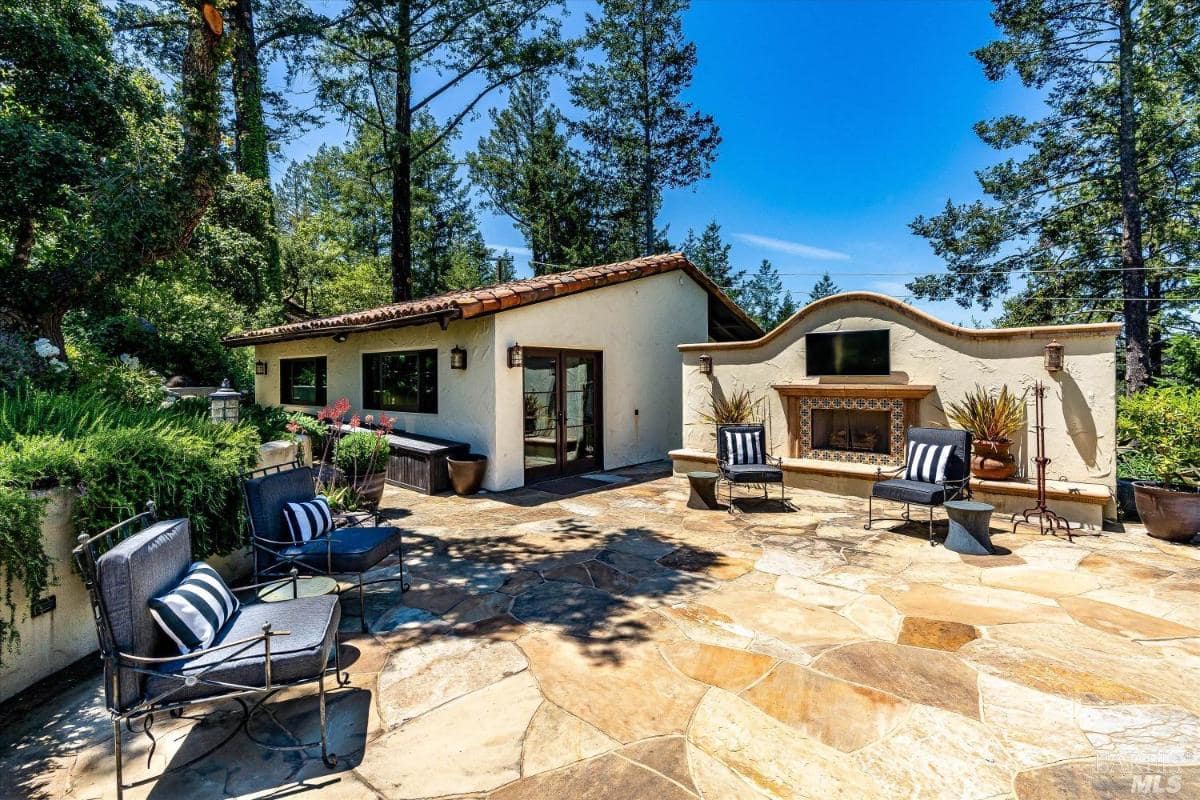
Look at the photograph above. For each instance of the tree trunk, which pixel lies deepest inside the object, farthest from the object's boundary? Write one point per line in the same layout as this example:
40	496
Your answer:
50	326
647	137
22	244
200	167
1133	283
401	251
250	136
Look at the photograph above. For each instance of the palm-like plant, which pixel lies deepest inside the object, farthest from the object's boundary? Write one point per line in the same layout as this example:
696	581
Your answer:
738	408
989	416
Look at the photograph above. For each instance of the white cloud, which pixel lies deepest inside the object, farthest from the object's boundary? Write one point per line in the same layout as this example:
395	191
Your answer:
792	248
516	251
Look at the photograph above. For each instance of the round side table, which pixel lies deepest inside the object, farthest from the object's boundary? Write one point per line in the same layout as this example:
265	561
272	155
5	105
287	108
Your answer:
704	490
969	523
281	589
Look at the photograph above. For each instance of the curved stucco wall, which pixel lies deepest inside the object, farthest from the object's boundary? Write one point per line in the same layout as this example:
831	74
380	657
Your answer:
1080	403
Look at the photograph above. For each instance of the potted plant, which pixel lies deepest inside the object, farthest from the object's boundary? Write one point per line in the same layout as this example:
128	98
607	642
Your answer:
993	418
466	472
362	456
1159	431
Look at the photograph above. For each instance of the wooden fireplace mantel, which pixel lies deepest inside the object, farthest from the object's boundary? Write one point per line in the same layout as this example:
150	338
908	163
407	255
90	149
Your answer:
906	391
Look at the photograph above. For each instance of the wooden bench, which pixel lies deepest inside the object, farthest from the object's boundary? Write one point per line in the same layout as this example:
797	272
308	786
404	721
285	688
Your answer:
419	462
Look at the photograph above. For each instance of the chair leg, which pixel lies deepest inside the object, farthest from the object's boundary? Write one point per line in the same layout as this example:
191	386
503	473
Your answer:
404	585
931	542
329	758
870	512
362	605
117	756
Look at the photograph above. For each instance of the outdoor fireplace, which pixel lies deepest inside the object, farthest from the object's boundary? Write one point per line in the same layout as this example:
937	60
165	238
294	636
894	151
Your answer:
848	422
850	430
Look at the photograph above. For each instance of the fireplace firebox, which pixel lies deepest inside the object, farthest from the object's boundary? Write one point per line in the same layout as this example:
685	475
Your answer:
851	430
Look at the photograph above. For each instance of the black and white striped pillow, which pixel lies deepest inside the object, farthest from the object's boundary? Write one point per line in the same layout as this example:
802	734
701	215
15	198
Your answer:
194	612
927	462
306	521
743	447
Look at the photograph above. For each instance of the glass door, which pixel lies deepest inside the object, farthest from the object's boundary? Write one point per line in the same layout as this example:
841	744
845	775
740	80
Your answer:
561	412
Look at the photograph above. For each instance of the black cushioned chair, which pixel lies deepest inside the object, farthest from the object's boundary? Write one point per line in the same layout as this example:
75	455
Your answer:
955	486
348	550
263	647
762	469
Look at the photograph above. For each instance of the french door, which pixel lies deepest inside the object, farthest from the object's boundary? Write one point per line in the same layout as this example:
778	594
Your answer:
561	412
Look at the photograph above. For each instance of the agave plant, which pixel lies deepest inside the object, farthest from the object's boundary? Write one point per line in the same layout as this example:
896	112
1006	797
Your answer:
989	416
738	408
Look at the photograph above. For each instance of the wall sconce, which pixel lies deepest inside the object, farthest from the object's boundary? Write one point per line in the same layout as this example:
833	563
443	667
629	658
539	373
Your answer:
706	364
515	357
260	368
340	337
1054	356
225	403
458	358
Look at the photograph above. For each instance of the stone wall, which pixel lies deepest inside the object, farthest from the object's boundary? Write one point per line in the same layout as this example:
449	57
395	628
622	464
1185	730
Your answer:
58	638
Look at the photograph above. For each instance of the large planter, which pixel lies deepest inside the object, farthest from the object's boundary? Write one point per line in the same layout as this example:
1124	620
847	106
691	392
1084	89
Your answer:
991	461
369	487
1170	514
466	472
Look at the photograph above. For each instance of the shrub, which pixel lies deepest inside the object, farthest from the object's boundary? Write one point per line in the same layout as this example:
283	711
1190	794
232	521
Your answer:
271	422
21	552
123	380
989	416
1159	433
361	453
739	407
18	361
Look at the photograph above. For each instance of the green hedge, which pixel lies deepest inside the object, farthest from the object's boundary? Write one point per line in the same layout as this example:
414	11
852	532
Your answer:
119	457
1159	433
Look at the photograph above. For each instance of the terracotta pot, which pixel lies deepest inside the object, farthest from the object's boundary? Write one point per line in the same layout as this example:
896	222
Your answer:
1170	514
466	472
991	461
369	488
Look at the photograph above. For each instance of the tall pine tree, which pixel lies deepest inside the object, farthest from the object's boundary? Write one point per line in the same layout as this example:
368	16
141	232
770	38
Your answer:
644	136
710	253
824	287
1097	211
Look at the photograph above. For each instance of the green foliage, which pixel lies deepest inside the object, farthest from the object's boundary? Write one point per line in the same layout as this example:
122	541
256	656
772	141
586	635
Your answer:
1181	361
989	416
270	422
710	253
643	136
531	174
21	553
824	287
120	381
762	296
361	453
1159	433
19	363
736	408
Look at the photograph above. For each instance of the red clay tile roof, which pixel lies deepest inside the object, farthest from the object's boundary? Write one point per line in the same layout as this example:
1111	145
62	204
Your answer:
503	296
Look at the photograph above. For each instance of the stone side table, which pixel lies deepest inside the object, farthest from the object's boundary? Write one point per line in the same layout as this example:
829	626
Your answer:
969	522
704	490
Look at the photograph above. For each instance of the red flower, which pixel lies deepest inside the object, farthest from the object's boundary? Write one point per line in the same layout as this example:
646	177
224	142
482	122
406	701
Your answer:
386	422
354	421
292	427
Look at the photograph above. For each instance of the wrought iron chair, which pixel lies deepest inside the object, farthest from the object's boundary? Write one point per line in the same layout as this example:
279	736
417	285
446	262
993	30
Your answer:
891	485
263	648
752	465
350	549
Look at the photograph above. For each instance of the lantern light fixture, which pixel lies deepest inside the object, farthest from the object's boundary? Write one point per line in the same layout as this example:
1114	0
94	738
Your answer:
225	403
1055	356
515	357
260	368
341	337
458	358
706	364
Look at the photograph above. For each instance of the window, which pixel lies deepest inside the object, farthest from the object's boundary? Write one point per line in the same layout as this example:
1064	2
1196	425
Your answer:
404	381
302	381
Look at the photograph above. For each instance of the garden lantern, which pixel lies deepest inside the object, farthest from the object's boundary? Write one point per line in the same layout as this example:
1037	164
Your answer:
458	358
1054	356
515	357
226	403
706	364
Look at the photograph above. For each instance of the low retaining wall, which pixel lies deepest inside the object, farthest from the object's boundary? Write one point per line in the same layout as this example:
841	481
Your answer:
58	638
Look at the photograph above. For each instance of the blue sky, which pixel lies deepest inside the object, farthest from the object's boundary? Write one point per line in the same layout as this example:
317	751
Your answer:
841	121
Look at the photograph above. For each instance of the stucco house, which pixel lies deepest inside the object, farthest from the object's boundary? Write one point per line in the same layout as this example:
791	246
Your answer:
555	375
834	431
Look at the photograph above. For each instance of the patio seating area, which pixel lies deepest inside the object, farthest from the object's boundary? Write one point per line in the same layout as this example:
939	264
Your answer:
618	644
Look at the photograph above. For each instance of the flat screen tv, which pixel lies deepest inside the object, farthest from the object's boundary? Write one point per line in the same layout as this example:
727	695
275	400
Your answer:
848	353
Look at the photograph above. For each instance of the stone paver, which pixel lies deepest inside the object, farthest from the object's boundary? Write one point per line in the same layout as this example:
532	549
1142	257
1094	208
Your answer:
617	644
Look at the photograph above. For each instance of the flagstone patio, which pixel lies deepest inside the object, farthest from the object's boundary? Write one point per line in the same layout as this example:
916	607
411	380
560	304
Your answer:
617	644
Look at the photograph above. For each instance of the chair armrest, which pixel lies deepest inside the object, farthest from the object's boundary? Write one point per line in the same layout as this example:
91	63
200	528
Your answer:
773	461
884	474
354	519
242	644
294	575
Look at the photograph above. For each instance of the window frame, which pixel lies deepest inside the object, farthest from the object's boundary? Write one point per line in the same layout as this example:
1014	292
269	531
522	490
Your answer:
370	399
286	385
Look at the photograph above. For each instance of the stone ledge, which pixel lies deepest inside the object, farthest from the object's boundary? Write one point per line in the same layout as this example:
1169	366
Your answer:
1072	491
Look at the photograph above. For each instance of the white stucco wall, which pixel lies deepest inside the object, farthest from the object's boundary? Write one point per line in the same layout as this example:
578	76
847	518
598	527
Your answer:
1080	404
636	325
464	396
